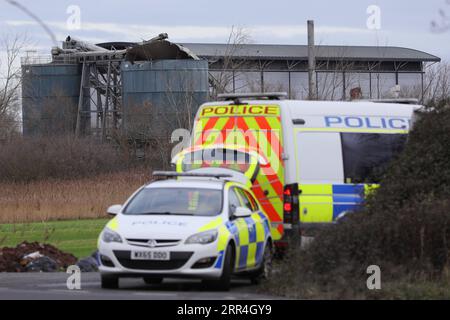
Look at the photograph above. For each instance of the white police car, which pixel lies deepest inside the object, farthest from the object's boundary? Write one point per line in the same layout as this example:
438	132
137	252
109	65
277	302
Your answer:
200	225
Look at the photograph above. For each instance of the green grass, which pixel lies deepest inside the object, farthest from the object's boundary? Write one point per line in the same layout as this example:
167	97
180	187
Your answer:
78	237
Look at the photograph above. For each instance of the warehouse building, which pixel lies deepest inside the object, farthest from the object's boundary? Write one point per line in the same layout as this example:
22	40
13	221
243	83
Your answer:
259	67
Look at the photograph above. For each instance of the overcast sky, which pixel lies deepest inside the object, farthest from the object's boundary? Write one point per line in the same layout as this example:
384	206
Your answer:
403	23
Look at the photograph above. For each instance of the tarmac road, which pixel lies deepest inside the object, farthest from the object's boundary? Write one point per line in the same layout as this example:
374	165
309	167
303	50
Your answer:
52	286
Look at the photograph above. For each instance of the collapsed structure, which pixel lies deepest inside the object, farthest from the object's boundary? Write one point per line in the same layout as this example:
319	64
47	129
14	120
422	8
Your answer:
95	89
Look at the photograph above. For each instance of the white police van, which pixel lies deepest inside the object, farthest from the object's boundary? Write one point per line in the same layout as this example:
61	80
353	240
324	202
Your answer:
321	157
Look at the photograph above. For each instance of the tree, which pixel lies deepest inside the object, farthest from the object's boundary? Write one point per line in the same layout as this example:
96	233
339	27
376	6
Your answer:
442	24
436	83
10	82
229	67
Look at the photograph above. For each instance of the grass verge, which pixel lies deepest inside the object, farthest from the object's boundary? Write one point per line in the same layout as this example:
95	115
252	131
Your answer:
78	237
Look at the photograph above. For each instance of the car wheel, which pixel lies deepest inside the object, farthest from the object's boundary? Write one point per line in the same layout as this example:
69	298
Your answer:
265	271
149	280
109	281
223	284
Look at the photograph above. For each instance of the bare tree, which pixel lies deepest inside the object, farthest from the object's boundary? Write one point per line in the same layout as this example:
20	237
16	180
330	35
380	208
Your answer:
10	81
230	64
441	24
331	80
437	82
148	127
436	85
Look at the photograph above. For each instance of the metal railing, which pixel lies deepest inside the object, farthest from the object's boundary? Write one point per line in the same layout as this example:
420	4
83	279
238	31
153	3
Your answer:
46	59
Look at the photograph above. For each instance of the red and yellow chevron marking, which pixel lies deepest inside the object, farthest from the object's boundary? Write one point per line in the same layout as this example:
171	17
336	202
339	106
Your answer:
260	130
208	125
268	179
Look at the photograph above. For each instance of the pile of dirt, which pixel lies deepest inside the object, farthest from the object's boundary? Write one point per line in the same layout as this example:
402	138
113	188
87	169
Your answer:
34	256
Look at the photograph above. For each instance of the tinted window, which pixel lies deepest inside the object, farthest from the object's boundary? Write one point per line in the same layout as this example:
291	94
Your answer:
201	202
366	155
233	200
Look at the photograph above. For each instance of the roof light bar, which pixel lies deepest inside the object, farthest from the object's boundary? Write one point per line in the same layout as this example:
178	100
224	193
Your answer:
262	95
190	174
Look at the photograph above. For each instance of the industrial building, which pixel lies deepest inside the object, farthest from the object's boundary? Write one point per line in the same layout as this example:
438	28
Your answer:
260	67
99	89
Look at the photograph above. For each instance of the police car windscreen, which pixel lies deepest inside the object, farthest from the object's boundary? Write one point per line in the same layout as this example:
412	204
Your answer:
367	155
176	201
217	158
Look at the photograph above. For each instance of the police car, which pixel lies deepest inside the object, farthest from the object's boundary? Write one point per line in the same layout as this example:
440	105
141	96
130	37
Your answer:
203	224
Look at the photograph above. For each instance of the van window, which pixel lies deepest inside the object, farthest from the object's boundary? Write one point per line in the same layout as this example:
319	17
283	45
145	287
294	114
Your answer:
217	158
367	155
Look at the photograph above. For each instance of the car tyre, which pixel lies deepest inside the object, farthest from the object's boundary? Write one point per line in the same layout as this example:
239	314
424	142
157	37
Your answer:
223	284
265	271
109	281
150	280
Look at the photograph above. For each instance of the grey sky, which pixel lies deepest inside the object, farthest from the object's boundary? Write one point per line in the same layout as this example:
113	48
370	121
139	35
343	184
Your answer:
403	23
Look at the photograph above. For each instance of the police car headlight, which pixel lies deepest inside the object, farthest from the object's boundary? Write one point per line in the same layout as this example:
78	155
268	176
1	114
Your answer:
111	236
203	237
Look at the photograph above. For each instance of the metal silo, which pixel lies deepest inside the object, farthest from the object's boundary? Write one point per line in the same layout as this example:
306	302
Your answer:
162	94
50	94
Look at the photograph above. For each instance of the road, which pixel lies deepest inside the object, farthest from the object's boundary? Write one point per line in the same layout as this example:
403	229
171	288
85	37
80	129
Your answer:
52	286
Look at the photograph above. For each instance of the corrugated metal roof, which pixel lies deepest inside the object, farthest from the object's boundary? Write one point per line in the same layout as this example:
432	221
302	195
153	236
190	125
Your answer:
300	52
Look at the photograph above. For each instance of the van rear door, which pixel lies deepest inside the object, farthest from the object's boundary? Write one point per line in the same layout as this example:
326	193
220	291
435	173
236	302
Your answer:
255	127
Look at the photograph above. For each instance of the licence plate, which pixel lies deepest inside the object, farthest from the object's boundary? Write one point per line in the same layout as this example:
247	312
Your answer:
150	255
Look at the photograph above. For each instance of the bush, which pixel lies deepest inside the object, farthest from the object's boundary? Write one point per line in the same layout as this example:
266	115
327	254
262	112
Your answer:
57	157
404	227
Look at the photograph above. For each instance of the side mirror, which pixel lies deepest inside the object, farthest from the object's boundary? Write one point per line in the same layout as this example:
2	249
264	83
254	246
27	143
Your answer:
114	210
242	212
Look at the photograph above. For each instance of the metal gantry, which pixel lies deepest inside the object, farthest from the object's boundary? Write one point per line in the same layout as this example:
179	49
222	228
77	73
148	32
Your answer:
100	95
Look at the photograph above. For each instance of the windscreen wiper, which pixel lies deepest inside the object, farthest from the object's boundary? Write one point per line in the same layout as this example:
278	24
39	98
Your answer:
165	213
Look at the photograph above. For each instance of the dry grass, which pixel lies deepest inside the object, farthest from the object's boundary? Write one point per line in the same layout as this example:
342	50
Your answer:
46	200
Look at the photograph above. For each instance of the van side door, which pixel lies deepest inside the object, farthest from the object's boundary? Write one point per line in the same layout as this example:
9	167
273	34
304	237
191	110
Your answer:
319	166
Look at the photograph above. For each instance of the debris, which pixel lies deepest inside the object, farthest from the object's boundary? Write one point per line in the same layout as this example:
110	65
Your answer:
42	264
26	259
88	264
34	256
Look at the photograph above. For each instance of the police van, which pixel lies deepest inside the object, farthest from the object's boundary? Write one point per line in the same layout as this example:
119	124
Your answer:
308	162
